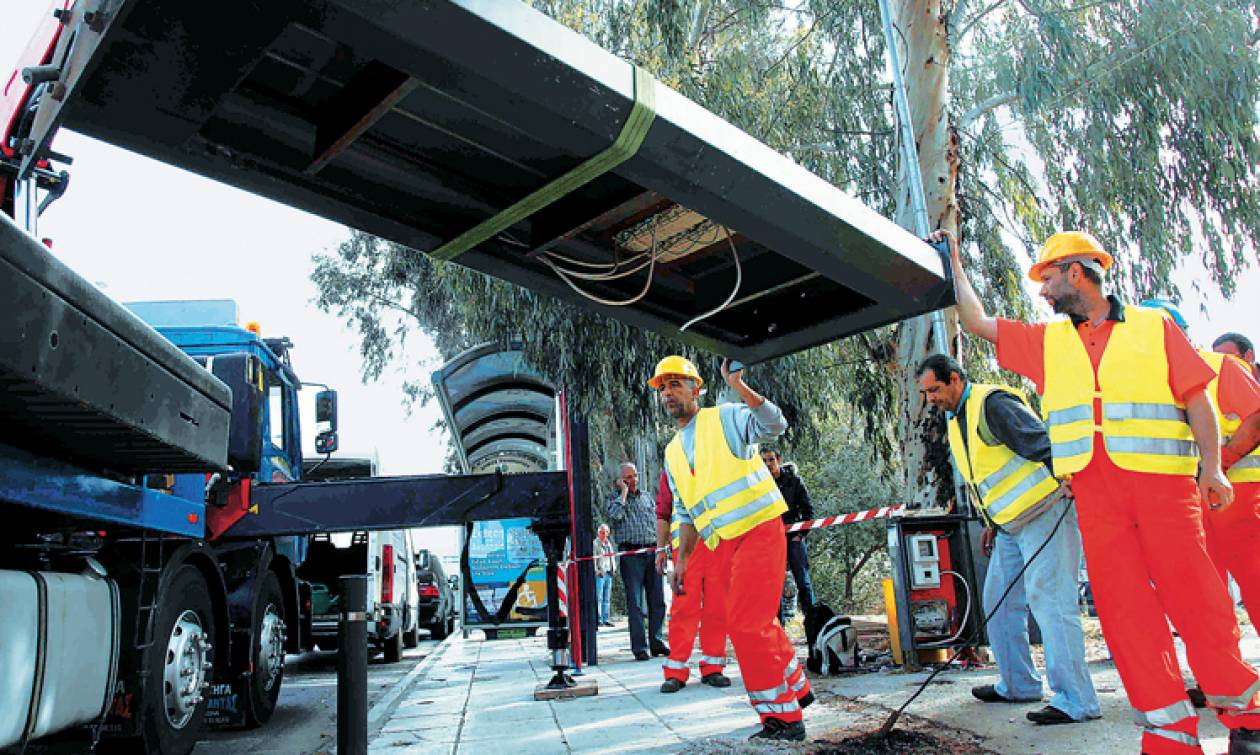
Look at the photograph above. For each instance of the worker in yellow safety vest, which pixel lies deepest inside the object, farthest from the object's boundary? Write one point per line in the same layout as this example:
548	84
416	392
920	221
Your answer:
727	502
1124	395
1002	450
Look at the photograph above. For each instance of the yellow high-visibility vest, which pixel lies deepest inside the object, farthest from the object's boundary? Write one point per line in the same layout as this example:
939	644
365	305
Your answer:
1144	427
1246	469
1007	483
727	496
674	526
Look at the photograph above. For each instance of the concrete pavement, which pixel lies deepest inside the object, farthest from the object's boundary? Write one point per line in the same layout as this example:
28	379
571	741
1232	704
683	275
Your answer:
477	697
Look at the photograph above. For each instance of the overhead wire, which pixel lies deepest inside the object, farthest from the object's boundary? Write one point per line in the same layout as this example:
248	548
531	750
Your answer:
739	279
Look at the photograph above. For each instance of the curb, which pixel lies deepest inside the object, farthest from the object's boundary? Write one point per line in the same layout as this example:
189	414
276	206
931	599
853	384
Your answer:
384	706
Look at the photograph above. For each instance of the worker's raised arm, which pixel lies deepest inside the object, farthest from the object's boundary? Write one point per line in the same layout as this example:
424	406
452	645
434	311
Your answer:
970	309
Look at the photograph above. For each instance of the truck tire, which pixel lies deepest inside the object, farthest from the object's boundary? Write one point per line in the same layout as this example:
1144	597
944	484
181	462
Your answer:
263	686
393	648
411	638
440	629
174	702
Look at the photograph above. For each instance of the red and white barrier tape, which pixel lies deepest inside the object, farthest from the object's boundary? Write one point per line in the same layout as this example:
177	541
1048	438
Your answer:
882	512
563	597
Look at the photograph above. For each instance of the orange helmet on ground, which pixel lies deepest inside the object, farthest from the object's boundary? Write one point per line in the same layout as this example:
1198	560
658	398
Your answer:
1067	246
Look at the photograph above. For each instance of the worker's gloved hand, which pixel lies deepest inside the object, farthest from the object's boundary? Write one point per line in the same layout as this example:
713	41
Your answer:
1214	489
986	541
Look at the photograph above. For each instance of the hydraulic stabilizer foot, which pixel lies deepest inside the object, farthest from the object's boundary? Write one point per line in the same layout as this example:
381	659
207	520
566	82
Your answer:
552	533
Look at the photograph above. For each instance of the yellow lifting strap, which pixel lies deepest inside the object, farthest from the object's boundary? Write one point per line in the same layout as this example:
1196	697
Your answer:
625	147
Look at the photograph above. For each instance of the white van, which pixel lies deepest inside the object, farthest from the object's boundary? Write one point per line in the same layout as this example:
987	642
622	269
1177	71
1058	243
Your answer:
393	599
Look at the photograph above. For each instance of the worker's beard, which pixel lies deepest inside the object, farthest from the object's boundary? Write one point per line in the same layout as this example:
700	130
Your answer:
1069	303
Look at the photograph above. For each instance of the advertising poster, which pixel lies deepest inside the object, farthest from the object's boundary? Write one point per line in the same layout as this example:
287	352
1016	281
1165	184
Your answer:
498	552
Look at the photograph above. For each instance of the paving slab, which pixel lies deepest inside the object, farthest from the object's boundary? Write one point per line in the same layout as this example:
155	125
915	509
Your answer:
477	699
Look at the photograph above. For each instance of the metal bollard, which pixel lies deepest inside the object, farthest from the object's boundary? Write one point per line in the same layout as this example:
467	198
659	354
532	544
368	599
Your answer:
352	664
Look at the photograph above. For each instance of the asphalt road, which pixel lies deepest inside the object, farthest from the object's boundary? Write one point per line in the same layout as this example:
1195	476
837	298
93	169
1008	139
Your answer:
305	719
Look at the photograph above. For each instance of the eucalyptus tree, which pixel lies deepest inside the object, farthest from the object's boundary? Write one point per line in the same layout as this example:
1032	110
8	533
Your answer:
1135	119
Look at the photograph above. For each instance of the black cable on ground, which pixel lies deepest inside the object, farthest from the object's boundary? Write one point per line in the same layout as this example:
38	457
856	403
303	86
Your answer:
891	721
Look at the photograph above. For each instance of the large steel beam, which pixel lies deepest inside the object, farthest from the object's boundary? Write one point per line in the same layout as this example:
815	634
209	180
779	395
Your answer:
388	503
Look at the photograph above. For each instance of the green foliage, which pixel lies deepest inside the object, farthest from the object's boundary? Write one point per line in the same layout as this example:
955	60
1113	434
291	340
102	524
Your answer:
847	561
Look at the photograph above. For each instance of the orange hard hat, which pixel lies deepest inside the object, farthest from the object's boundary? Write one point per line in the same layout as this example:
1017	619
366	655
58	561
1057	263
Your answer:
1066	245
674	365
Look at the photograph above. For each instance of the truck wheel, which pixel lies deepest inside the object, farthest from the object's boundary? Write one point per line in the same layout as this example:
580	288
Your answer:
411	638
393	648
179	663
440	629
268	653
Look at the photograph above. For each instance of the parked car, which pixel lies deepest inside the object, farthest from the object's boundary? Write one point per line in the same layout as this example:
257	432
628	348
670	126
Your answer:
437	602
384	556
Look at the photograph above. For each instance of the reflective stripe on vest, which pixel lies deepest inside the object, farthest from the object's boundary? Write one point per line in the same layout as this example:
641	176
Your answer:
1144	427
726	496
675	526
1007	483
1246	469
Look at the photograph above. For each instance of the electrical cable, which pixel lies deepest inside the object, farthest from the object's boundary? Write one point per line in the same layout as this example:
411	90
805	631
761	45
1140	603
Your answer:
739	279
609	302
962	625
891	721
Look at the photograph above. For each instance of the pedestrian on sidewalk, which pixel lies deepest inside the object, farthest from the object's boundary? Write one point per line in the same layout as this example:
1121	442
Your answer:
702	608
1002	450
727	502
633	515
1125	400
605	567
800	509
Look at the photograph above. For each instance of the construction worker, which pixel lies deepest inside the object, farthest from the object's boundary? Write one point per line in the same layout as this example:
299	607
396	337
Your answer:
727	503
1003	451
1234	533
1124	395
702	608
1238	345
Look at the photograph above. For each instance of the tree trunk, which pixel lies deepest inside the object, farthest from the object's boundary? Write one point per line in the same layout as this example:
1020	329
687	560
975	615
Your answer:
925	59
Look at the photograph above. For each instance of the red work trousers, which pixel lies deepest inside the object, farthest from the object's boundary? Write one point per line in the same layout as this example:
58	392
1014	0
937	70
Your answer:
758	562
1144	544
1233	542
701	606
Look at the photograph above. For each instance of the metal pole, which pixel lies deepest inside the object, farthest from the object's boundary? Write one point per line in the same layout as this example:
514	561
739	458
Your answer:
352	663
918	200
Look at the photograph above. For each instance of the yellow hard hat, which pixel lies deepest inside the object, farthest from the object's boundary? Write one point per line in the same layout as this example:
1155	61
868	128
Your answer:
1067	244
674	365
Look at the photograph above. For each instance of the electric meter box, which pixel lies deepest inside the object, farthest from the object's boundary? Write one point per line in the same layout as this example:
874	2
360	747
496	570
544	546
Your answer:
925	561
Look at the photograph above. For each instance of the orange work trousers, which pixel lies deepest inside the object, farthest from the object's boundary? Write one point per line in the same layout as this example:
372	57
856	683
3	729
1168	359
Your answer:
701	606
758	562
1147	557
1233	542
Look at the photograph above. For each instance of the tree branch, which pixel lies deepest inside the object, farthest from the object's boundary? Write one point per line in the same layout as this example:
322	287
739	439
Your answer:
956	38
871	551
996	101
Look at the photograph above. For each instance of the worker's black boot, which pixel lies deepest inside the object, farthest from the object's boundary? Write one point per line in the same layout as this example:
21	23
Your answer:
1244	742
672	685
781	731
716	679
